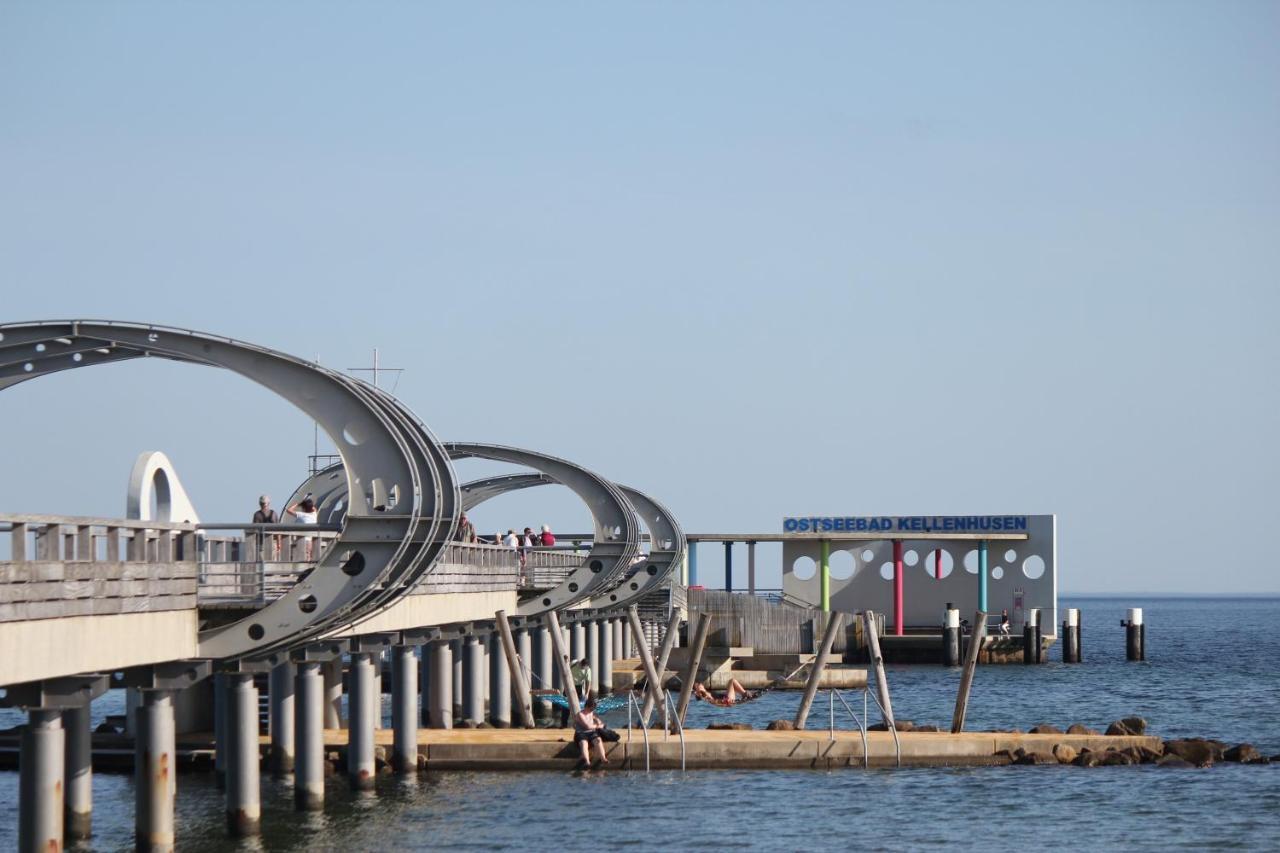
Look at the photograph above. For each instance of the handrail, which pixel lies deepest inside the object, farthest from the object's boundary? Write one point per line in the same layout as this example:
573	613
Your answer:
834	694
679	727
897	746
644	728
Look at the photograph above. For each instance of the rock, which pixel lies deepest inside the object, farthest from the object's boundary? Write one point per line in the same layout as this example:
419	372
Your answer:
1243	753
927	729
1077	729
781	726
1199	752
1044	729
1128	726
1173	761
1065	754
1004	755
730	727
1036	758
1261	759
1114	758
900	725
105	728
1089	758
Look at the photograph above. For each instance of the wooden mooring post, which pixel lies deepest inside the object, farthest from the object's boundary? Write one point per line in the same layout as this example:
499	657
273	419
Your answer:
871	629
562	662
970	664
515	666
664	654
695	660
834	622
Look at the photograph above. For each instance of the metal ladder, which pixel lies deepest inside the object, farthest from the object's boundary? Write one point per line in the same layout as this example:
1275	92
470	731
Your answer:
668	713
833	695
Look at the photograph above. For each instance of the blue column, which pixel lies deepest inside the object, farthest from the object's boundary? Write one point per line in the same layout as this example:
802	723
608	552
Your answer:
693	564
982	577
728	567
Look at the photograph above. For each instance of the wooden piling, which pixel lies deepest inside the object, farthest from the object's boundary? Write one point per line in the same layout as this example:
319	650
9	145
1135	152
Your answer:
562	662
873	652
695	660
514	666
664	654
970	664
654	686
834	621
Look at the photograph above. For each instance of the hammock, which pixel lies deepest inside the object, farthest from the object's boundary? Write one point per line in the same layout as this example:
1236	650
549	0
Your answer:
603	705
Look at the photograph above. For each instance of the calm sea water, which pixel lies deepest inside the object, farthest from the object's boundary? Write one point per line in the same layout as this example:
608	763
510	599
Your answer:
1212	671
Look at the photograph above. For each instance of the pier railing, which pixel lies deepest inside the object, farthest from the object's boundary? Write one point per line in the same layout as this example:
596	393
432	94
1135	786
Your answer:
548	567
61	566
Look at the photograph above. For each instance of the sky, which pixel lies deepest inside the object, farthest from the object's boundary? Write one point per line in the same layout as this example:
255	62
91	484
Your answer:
757	259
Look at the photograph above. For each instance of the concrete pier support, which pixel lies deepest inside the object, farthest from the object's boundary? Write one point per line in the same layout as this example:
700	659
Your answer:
456	655
577	642
628	641
607	631
377	690
40	782
474	679
615	633
361	721
424	684
219	728
542	669
524	648
77	809
309	700
155	772
593	654
499	684
244	803
281	719
333	694
404	709
441	685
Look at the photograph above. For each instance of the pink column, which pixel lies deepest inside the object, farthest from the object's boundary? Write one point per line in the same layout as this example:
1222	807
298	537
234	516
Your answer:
897	587
937	564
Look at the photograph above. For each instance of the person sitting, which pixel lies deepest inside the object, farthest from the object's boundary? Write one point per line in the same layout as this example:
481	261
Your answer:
734	694
586	731
1004	623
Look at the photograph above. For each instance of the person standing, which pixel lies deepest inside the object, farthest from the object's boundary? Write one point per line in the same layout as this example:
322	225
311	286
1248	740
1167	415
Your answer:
548	538
266	515
466	530
305	511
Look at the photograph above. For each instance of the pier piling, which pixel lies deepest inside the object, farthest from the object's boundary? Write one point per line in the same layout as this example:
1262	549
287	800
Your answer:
970	664
78	774
593	655
653	681
543	668
40	782
520	687
474	678
696	648
244	804
834	622
664	654
499	683
333	694
513	660
309	701
440	687
562	661
871	628
280	697
404	709
951	637
606	655
1071	637
219	728
155	772
360	714
1135	641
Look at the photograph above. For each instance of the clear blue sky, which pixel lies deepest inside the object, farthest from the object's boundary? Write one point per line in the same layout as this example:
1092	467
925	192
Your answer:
758	259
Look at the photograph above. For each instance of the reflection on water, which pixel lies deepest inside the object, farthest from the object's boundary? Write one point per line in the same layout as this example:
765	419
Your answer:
1201	679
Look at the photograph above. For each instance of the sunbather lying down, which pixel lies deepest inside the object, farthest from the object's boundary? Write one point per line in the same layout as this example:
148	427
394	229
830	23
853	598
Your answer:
734	694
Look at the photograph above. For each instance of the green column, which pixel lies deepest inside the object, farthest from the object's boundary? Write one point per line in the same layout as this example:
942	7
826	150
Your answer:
824	569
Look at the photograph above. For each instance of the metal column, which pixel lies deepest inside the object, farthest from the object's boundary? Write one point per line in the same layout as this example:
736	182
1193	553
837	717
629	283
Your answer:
333	694
40	782
309	702
982	578
593	655
78	774
455	649
441	685
404	709
542	669
244	803
577	642
524	648
474	678
155	782
692	557
219	727
499	684
897	587
824	575
751	567
361	722
728	567
607	630
281	715
424	684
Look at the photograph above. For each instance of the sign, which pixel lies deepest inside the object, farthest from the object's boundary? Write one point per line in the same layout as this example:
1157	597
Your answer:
907	524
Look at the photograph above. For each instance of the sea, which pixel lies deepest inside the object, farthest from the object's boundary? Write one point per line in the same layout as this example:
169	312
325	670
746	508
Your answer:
1212	670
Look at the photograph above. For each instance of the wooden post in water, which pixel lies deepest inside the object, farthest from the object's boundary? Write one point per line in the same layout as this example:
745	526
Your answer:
654	690
695	660
664	654
970	664
517	670
873	651
562	662
834	621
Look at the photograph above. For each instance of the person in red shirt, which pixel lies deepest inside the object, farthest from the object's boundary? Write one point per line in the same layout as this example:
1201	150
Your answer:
548	538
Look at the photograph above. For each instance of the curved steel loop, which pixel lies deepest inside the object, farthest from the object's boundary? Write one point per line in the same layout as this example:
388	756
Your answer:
666	550
617	534
398	485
